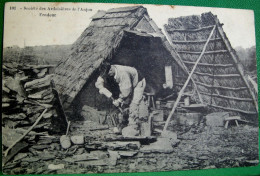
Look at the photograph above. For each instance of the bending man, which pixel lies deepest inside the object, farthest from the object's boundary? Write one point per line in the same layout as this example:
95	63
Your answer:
131	86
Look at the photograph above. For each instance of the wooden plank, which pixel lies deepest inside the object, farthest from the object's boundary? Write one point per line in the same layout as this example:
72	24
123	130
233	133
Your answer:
217	76
232	109
207	52
194	42
227	97
210	65
187	81
190	30
221	87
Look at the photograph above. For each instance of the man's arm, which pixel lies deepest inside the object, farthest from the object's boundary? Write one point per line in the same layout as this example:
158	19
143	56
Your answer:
102	90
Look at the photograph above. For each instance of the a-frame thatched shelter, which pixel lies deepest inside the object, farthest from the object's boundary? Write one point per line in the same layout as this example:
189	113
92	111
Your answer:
120	36
201	43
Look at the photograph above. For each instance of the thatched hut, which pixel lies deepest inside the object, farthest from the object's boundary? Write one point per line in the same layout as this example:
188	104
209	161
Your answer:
218	76
120	36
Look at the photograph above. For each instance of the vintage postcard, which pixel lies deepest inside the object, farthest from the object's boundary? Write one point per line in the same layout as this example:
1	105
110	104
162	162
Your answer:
109	88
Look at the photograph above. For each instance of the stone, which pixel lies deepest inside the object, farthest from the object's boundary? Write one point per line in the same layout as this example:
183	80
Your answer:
77	139
216	119
127	153
31	159
20	156
131	145
131	130
113	157
65	142
162	145
55	167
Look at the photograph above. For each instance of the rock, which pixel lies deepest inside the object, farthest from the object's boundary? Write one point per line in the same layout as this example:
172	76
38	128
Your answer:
20	156
45	141
9	136
127	153
45	156
94	155
24	164
99	154
131	145
65	142
55	146
77	139
253	162
176	167
116	130
31	159
40	147
94	163
113	157
131	130
210	167
80	151
84	157
216	119
162	145
55	167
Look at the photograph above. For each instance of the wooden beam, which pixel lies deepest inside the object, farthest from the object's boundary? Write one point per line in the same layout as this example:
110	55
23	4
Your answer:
232	109
193	42
190	30
207	52
217	76
220	87
30	129
187	81
235	59
227	97
210	65
253	83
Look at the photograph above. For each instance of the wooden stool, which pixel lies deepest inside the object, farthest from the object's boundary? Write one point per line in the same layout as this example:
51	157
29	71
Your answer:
150	97
232	118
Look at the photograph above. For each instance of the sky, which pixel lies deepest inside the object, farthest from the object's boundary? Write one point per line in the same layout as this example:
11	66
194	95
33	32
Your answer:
26	25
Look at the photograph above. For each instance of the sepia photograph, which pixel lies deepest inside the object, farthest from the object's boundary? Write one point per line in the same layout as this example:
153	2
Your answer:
119	88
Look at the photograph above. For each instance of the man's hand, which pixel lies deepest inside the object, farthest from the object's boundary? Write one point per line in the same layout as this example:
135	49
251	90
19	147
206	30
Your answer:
117	102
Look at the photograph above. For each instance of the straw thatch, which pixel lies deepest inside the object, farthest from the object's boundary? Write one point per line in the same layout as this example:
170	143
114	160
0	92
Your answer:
218	76
121	36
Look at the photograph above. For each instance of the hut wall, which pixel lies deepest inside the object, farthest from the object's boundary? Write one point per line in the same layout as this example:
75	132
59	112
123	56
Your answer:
219	81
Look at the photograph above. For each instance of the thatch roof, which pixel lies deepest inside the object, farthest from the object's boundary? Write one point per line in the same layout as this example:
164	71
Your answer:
99	42
219	77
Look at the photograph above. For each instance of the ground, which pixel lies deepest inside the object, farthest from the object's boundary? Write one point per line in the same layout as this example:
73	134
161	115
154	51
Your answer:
199	147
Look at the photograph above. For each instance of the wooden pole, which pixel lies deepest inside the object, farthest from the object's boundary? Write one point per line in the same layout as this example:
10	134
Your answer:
187	81
30	129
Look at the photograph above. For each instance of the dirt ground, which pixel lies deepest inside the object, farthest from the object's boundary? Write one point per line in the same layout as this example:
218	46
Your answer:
199	147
